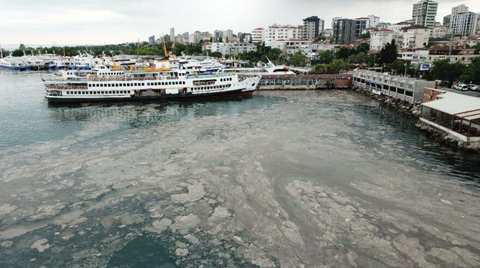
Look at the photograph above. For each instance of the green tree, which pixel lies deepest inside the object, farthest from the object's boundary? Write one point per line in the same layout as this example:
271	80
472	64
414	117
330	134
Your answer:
477	49
326	57
365	35
220	39
363	47
344	53
389	53
338	65
298	60
319	39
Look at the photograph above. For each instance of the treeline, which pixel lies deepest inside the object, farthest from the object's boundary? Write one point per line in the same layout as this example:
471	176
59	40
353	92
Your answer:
445	70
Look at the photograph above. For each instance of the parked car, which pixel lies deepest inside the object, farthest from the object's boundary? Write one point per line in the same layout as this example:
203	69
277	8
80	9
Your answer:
461	87
474	87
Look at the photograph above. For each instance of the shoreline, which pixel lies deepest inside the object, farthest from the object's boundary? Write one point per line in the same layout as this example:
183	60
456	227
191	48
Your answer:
415	111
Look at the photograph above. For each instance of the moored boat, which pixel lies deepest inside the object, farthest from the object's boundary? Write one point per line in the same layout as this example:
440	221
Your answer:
141	85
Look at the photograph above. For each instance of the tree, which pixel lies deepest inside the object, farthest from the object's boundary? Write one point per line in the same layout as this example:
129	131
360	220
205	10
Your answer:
344	53
389	53
220	39
319	38
22	47
297	60
363	47
365	35
477	49
338	65
326	57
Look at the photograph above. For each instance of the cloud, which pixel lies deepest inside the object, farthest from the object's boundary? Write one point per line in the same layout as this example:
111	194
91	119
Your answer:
115	21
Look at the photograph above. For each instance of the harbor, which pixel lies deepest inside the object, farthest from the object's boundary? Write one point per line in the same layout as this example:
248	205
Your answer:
202	134
185	201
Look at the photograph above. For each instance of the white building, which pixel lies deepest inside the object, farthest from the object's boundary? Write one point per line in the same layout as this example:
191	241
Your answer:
415	57
230	48
374	20
459	9
464	24
278	32
258	35
414	36
440	31
379	38
292	46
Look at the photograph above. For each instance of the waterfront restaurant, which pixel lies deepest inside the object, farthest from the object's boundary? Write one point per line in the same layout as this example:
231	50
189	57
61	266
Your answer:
455	114
394	86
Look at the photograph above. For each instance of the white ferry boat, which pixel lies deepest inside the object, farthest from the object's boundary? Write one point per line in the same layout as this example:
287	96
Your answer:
147	85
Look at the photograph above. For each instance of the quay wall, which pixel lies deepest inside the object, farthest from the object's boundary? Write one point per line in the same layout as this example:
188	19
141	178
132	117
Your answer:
306	82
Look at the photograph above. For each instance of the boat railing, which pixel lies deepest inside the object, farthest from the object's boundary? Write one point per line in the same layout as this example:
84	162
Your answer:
65	86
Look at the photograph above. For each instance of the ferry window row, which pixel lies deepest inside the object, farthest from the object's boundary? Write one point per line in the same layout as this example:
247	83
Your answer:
96	92
166	83
225	79
212	87
118	85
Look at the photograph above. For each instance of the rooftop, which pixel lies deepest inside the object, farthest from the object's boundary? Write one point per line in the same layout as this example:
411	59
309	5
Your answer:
454	103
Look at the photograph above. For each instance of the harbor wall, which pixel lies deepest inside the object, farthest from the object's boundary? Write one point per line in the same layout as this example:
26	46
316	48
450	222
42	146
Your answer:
306	82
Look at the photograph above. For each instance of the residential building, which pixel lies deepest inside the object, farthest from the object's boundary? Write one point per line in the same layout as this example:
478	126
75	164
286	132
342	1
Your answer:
327	32
375	21
172	34
230	47
464	24
258	35
424	13
228	36
440	31
360	25
151	40
379	38
344	31
458	54
478	24
335	19
459	9
312	27
415	56
397	28
292	46
446	20
397	87
415	36
278	32
179	38
217	34
186	36
383	25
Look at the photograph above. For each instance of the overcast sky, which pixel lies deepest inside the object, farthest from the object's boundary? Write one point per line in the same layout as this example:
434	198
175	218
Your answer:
116	21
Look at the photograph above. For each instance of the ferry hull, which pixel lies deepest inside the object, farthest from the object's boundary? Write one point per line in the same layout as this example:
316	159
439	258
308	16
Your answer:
241	93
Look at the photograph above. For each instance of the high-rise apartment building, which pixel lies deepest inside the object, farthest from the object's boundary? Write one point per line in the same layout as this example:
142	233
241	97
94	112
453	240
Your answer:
172	34
424	13
464	24
459	9
312	27
344	31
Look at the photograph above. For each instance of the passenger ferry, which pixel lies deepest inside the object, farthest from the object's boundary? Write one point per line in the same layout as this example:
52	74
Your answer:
106	86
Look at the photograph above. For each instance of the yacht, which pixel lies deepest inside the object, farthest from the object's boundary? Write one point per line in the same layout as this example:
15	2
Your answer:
268	69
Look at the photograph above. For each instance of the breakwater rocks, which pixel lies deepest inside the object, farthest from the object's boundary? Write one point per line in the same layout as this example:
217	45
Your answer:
447	139
399	105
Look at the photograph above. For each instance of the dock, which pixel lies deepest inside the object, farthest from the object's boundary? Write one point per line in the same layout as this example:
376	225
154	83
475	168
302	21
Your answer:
306	82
